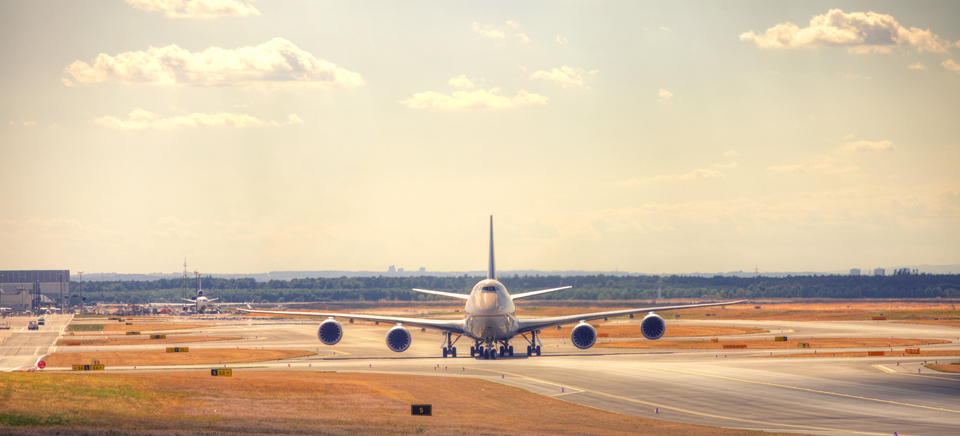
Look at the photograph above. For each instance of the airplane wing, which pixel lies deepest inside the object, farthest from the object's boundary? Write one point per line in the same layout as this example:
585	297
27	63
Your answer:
452	326
527	325
530	294
445	294
187	299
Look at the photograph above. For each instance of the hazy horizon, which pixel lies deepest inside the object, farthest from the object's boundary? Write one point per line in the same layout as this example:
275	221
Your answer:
659	137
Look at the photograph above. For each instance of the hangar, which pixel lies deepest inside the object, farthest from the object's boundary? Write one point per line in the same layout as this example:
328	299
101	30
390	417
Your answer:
22	290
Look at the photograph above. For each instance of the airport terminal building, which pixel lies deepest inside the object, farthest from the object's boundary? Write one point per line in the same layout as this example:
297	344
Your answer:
22	290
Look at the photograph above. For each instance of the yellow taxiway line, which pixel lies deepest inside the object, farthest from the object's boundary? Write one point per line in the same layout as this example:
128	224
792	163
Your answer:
810	390
890	371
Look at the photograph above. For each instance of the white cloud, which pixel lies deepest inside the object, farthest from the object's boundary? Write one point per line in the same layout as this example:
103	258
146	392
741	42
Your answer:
726	165
698	173
461	82
665	28
473	100
274	64
491	31
196	8
730	153
142	119
870	146
488	31
23	122
564	76
860	32
561	40
665	95
918	66
820	165
850	136
949	64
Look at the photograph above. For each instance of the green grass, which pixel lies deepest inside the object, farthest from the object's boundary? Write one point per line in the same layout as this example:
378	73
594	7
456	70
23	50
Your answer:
13	419
85	327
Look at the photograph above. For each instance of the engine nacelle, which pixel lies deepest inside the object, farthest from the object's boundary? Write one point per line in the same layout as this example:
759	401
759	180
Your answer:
653	327
583	336
330	332
399	339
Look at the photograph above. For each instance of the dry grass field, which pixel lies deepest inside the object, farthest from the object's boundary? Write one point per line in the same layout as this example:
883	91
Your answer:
149	327
300	402
161	357
140	340
673	331
770	344
951	323
955	368
894	353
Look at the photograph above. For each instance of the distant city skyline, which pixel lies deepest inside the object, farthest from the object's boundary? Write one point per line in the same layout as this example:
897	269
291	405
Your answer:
658	137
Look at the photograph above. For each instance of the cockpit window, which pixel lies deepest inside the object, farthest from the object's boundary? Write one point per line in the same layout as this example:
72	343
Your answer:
489	289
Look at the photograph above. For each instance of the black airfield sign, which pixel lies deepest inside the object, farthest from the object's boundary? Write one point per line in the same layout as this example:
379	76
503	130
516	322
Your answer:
421	409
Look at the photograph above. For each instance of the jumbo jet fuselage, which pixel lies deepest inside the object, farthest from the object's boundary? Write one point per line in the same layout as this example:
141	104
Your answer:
490	312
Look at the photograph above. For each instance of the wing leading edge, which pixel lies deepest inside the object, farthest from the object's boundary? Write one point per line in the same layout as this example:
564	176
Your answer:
527	325
452	326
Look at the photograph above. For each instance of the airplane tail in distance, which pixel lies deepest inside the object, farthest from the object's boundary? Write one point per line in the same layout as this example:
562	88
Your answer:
491	269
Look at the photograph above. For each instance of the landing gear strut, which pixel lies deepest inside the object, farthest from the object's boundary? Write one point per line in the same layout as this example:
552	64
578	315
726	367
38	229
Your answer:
449	349
533	347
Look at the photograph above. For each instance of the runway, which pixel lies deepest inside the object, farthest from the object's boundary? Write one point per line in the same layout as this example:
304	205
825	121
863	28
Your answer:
824	395
22	348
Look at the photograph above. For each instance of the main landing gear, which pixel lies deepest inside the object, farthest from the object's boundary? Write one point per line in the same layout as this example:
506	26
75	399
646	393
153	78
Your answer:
491	351
533	348
449	349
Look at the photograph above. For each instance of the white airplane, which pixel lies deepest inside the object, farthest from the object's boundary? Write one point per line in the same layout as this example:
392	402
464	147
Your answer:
200	303
491	321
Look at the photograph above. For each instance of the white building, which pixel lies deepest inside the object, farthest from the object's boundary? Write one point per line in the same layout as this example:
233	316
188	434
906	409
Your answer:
854	271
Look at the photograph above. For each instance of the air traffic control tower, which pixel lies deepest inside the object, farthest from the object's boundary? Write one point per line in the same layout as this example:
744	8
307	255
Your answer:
22	290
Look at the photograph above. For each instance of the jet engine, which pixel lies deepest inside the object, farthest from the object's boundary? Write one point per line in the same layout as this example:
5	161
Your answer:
653	326
583	336
330	332
399	339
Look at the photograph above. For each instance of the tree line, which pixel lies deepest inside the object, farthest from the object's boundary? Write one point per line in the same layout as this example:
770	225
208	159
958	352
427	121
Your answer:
594	287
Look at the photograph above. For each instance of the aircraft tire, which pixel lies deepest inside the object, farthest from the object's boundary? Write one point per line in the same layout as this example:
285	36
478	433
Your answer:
493	354
511	350
444	351
529	351
473	352
486	354
538	350
453	352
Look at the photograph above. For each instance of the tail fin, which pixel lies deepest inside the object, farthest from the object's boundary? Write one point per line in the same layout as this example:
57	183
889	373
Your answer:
491	270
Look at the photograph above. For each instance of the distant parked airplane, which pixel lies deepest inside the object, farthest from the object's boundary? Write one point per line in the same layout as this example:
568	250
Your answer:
491	321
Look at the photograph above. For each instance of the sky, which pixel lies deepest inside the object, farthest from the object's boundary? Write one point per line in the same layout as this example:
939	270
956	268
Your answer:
652	137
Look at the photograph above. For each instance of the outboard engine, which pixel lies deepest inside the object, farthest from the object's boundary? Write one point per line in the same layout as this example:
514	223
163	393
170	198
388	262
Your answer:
330	332
399	339
583	336
652	326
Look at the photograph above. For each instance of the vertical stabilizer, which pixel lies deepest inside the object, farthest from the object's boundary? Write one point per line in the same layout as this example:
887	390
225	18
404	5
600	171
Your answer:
491	270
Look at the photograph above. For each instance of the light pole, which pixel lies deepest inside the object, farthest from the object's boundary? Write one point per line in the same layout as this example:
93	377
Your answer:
81	291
